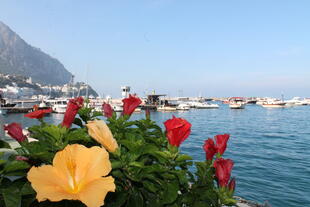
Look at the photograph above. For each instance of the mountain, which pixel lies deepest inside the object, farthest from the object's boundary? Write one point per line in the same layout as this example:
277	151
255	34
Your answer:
19	58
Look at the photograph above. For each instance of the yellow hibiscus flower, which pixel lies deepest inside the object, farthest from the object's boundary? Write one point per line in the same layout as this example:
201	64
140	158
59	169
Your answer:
76	174
101	133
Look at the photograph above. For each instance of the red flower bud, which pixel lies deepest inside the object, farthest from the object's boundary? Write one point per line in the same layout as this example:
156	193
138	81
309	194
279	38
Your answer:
15	131
177	130
21	158
130	104
210	149
223	169
107	110
38	114
73	107
221	142
232	185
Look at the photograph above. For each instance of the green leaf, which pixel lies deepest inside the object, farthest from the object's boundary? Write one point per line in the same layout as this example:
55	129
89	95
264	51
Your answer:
78	122
170	193
116	164
181	158
27	189
4	144
135	200
12	197
78	135
15	166
150	186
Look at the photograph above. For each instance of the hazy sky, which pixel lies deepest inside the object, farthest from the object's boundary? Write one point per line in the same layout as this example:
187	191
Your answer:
177	47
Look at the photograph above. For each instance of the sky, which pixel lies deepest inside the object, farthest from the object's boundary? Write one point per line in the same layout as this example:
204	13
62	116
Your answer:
175	47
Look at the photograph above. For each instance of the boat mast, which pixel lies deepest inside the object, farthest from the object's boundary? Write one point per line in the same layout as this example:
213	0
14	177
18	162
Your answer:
86	95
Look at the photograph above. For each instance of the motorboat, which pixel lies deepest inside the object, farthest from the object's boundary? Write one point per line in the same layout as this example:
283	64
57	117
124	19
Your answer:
297	101
57	105
117	107
200	105
183	107
166	108
237	103
279	104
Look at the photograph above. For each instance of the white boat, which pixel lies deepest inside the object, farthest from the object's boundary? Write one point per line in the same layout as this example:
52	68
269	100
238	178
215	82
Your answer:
166	108
137	110
58	105
183	107
279	104
206	106
296	101
237	103
117	108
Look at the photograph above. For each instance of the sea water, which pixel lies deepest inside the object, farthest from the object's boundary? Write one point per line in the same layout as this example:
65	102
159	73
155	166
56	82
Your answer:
270	148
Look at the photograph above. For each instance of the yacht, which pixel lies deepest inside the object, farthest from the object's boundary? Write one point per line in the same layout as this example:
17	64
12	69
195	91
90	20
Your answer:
278	104
183	107
166	108
237	103
200	105
58	105
117	107
296	101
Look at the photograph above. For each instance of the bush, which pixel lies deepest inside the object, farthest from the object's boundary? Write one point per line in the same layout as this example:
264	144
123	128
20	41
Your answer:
147	165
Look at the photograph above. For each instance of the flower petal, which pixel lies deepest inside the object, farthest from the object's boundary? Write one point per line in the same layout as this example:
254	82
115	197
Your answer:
47	183
89	163
102	134
94	193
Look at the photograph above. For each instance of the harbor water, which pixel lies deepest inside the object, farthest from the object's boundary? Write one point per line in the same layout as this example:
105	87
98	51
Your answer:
270	148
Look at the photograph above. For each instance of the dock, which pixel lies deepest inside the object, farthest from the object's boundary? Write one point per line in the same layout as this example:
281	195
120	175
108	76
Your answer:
16	109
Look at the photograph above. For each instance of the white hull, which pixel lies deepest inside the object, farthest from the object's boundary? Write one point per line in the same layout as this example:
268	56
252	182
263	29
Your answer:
117	108
137	110
237	106
273	105
166	108
208	106
60	109
183	107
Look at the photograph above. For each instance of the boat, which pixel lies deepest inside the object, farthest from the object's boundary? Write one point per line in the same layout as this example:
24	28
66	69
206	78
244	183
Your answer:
57	105
117	108
296	101
200	105
183	107
166	108
237	103
137	110
278	104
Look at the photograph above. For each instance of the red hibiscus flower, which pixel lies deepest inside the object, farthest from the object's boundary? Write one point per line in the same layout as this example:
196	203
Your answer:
232	185
73	107
39	114
223	169
15	131
178	130
221	142
130	104
107	110
210	149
